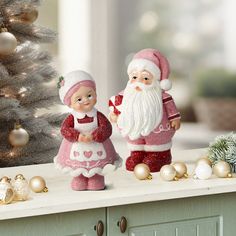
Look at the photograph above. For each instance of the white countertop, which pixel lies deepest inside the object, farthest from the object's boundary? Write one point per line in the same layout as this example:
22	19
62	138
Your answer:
122	188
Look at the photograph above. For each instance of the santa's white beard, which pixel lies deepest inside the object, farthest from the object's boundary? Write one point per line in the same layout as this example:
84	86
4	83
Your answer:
141	111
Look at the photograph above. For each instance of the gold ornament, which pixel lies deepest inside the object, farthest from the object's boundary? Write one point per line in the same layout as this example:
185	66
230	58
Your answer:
18	137
168	173
181	169
21	188
142	172
6	190
28	15
38	184
8	43
222	169
204	160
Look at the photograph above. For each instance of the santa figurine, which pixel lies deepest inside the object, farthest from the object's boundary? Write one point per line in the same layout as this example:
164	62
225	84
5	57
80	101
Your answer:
145	113
86	148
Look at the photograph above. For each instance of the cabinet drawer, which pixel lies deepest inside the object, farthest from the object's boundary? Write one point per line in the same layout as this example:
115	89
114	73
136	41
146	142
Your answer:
201	216
79	223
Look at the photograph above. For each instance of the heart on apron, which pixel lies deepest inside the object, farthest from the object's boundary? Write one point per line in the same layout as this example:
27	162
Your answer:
76	154
88	154
100	153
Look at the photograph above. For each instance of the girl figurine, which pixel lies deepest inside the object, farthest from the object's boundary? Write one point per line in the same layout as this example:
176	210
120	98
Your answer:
86	148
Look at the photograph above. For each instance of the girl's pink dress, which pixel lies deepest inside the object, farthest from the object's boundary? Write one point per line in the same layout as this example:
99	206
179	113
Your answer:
88	159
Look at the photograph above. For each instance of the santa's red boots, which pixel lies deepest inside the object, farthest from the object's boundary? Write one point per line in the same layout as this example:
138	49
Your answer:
134	159
155	160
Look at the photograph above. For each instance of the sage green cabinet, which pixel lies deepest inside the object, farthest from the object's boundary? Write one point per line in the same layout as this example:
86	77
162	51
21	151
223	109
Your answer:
79	223
212	215
197	216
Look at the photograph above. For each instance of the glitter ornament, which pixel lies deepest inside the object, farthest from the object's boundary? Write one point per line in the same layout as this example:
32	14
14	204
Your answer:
6	190
21	188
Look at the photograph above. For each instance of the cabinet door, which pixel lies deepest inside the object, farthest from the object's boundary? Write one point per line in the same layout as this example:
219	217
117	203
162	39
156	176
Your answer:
204	226
79	223
197	216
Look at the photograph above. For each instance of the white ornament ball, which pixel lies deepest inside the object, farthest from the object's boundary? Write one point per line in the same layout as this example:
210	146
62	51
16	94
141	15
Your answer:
168	172
203	171
8	43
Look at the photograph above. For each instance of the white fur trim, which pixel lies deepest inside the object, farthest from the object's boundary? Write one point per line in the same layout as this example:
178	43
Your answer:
133	147
81	115
166	84
72	79
144	64
88	173
110	168
158	148
150	148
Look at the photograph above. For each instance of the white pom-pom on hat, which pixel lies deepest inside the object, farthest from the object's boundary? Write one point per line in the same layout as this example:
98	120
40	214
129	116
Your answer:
166	84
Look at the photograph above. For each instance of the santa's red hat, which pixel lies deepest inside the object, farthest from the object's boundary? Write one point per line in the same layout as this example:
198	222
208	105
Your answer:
153	61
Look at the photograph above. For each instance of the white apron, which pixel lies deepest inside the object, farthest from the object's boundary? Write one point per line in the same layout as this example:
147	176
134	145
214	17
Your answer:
86	152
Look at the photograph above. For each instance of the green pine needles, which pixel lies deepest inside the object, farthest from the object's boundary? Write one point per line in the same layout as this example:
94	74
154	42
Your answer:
223	148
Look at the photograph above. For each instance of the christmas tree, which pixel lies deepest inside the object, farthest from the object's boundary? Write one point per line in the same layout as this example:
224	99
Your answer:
26	86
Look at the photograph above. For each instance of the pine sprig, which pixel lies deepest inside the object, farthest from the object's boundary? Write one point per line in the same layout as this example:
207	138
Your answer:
223	148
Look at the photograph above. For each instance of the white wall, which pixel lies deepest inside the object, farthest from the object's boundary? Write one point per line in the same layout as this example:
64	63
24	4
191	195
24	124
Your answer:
87	36
74	35
230	33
